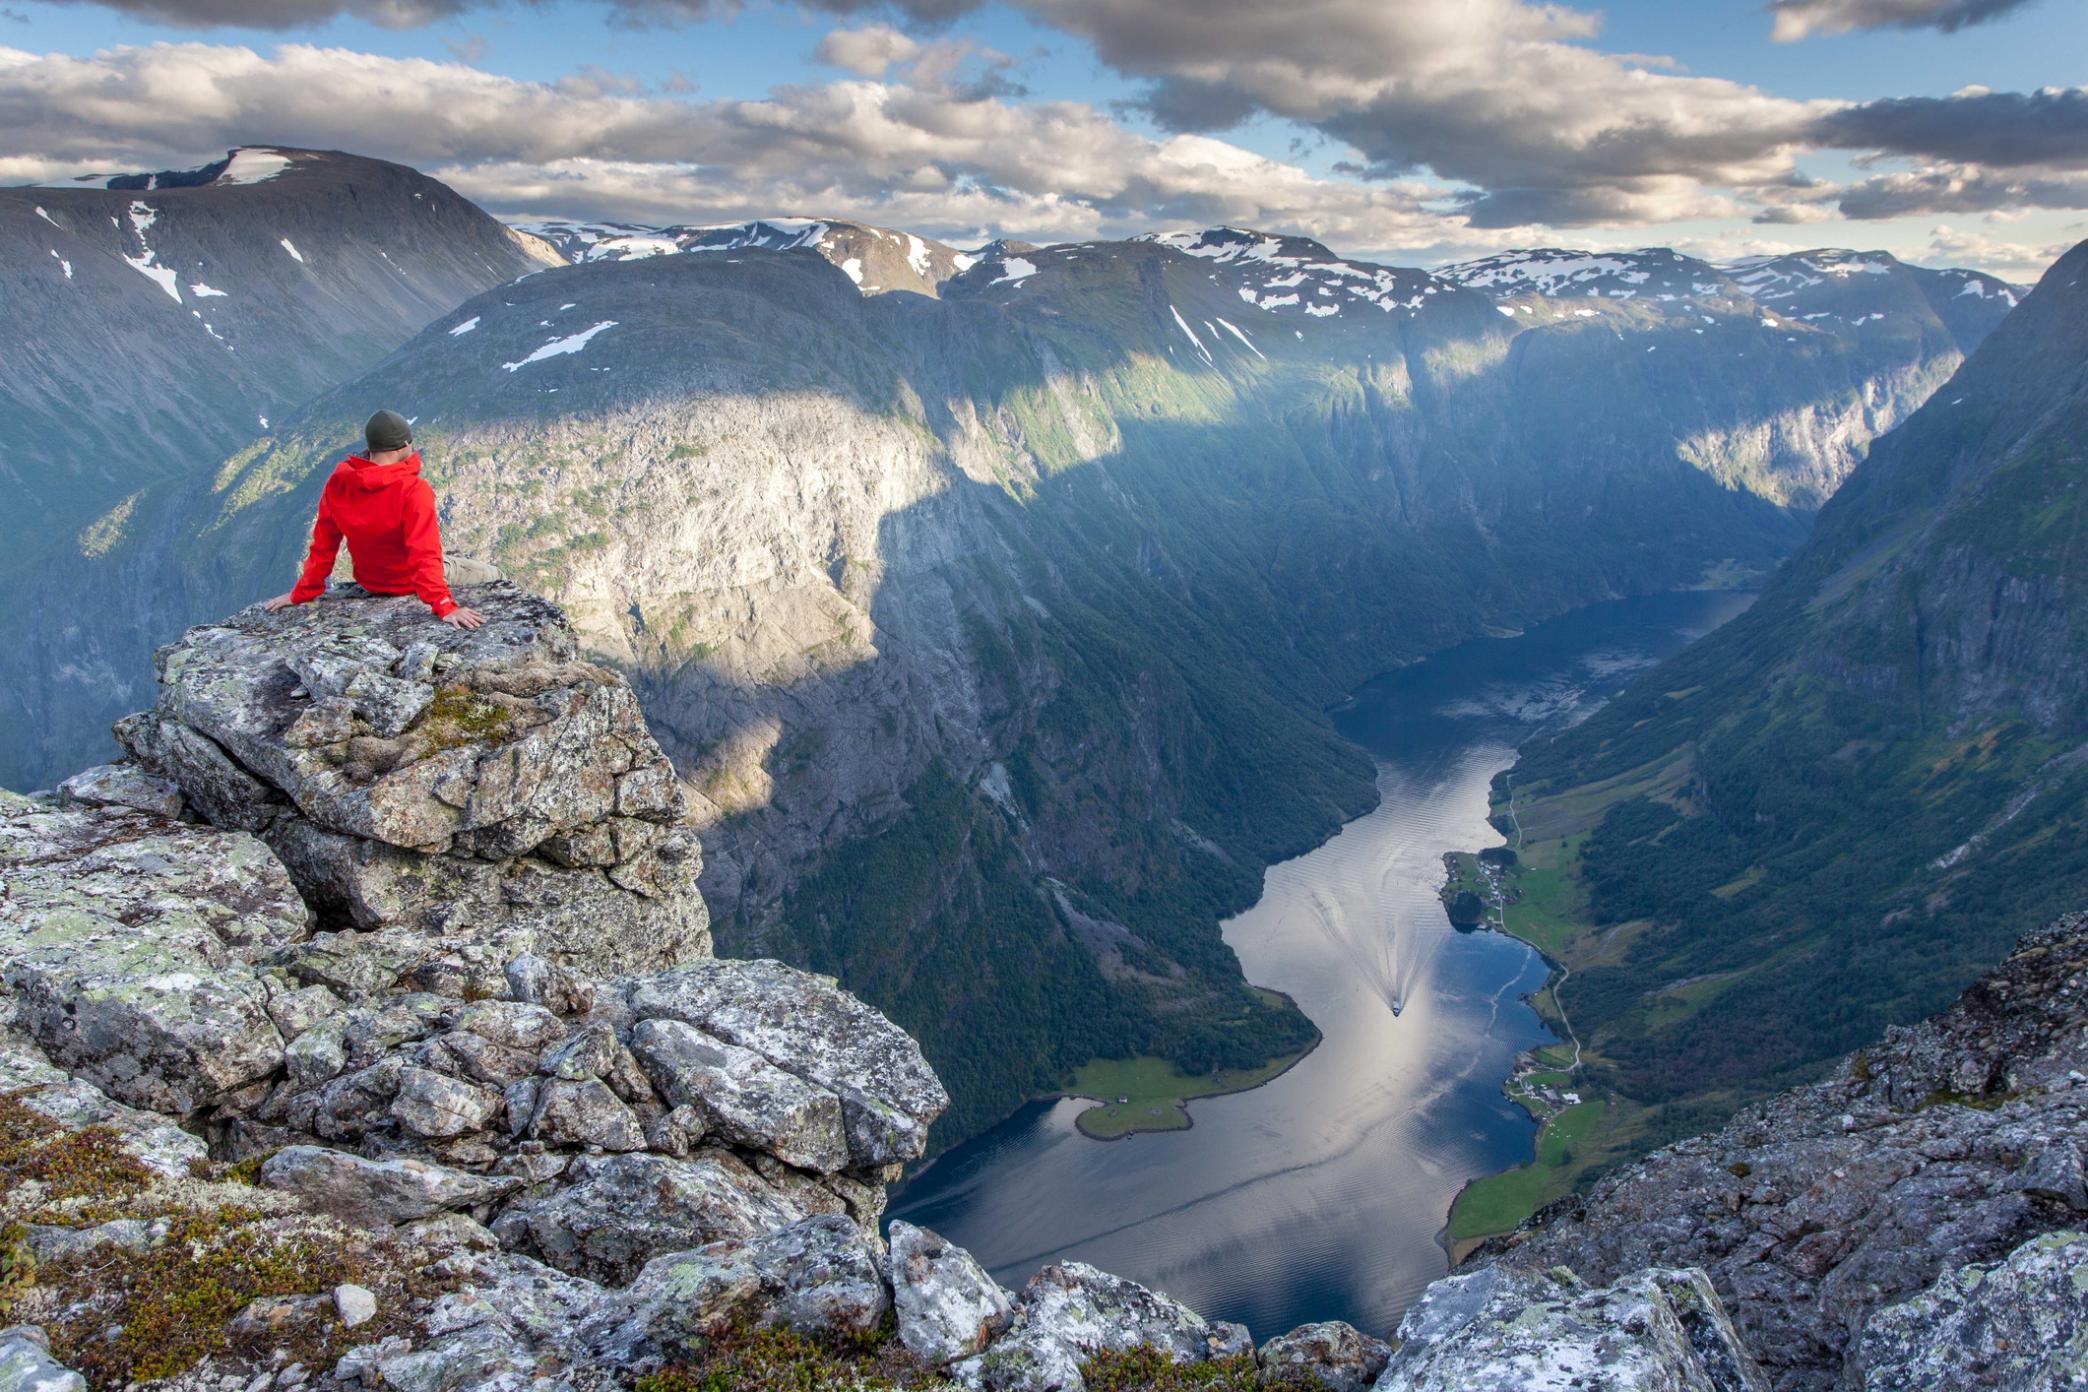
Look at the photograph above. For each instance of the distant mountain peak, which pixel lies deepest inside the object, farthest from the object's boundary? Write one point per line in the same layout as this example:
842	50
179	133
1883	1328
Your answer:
877	259
1225	243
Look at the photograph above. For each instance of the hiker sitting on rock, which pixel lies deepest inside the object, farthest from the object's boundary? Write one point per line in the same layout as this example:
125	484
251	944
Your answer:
381	506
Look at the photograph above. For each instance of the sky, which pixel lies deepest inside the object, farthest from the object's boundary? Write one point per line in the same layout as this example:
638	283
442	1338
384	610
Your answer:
1950	132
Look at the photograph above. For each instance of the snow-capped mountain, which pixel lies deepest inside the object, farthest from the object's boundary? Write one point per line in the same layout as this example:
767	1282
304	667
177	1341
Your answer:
1296	277
1856	287
877	259
1813	291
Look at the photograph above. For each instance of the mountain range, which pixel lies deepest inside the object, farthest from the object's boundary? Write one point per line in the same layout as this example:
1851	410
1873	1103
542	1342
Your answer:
988	602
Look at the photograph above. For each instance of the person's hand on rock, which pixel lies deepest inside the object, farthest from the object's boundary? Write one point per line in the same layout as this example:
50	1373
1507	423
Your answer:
281	601
457	618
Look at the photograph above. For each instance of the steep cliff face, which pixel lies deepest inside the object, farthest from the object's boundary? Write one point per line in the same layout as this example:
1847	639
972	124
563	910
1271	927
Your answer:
1874	337
1833	813
1018	607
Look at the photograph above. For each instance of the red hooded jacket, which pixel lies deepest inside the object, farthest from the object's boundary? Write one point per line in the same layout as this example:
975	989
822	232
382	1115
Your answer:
386	513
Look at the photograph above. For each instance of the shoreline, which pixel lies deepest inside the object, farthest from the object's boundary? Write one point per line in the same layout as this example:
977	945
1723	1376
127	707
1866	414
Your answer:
1527	1062
1183	1104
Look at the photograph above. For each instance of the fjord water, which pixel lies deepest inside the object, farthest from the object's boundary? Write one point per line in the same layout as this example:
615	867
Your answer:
1322	1195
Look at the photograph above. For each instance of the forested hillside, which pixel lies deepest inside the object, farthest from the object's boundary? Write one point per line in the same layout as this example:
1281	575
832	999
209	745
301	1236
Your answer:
1833	813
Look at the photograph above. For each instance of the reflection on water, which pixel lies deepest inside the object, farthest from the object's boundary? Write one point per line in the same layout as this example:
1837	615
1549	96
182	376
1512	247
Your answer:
1320	1196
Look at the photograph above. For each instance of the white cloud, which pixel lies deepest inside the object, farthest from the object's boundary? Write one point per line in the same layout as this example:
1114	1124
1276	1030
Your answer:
1802	19
920	153
1508	96
2017	261
868	51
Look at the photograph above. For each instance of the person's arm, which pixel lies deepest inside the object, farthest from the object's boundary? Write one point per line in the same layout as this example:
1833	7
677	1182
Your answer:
424	551
319	561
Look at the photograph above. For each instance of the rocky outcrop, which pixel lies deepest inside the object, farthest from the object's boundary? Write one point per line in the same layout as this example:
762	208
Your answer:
1950	1145
2020	1322
129	944
1071	1310
1333	1356
439	962
1502	1331
948	1307
417	777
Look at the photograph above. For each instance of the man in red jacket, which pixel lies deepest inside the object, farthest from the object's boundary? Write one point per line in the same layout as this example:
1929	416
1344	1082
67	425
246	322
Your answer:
379	504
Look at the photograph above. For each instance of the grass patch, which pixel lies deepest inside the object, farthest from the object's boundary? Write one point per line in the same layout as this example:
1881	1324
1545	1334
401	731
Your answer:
121	1315
1150	1370
459	716
1152	1094
778	1360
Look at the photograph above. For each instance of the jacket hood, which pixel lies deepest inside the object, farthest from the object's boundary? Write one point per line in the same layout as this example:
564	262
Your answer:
359	473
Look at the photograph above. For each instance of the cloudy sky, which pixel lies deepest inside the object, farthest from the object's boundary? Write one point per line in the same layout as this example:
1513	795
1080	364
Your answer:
1413	131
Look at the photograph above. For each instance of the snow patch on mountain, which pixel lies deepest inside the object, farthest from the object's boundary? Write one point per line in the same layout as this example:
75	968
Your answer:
1236	333
253	165
146	262
559	347
1183	324
1273	263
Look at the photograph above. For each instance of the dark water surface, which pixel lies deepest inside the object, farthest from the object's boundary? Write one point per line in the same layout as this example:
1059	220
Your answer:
1320	1195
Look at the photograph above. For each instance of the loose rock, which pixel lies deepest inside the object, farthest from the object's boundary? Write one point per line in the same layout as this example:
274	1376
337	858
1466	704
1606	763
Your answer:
396	1190
948	1307
1334	1356
1501	1331
2017	1323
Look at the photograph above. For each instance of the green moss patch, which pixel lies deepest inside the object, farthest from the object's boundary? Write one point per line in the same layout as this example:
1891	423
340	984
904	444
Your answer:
459	716
120	1315
62	1163
777	1360
1149	1370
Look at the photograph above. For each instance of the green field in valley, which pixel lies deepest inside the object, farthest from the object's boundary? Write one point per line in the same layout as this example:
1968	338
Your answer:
1152	1094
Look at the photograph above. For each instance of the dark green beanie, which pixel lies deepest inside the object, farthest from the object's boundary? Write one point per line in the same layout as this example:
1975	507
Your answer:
387	430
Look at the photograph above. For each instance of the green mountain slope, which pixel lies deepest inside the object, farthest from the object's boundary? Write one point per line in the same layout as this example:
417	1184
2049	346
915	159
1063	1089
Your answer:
1836	811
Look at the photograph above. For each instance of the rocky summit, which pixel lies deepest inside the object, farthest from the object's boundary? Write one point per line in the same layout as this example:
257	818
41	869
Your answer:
422	782
364	1033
